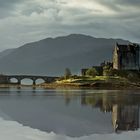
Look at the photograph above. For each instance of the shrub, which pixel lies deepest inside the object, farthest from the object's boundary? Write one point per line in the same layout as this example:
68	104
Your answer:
91	72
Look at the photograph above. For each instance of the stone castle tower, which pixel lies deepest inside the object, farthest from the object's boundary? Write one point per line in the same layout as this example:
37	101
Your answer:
126	57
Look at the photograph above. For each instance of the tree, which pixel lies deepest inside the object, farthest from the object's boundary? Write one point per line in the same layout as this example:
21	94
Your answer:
108	71
67	73
92	72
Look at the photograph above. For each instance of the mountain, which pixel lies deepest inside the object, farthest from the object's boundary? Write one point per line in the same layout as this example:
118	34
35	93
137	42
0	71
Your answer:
6	52
51	56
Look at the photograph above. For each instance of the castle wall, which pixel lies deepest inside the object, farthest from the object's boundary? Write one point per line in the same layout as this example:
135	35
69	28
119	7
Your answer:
126	57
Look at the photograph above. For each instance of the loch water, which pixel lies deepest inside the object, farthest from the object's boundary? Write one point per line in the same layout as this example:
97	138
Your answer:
72	112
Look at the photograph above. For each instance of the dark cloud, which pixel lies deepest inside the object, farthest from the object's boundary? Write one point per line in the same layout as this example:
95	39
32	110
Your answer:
8	3
7	7
24	21
128	2
30	10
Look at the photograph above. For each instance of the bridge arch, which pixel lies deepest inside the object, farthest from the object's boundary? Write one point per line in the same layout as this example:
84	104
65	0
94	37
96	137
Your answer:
26	81
39	81
13	80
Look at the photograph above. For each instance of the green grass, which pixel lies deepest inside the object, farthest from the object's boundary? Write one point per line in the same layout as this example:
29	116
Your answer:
94	79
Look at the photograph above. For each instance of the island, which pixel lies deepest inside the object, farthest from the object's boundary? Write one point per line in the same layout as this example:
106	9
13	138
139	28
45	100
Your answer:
122	73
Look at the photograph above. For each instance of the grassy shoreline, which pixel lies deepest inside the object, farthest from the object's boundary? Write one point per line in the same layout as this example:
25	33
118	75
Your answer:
98	82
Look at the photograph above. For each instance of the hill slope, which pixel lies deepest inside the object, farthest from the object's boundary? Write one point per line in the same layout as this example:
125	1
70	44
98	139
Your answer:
52	55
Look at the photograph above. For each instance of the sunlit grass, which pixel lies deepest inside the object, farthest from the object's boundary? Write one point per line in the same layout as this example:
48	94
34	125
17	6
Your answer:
85	79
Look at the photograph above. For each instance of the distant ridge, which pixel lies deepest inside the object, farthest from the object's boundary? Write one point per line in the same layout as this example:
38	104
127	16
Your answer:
51	56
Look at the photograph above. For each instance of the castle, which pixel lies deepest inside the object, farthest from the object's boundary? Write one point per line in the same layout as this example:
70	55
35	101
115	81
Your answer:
126	57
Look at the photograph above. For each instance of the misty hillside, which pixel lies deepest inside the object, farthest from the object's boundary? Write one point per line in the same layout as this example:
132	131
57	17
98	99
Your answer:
6	52
52	55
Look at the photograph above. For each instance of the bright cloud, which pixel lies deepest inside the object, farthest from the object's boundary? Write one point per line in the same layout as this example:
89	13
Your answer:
11	130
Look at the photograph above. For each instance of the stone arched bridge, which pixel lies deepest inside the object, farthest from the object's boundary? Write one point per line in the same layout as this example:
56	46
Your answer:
47	79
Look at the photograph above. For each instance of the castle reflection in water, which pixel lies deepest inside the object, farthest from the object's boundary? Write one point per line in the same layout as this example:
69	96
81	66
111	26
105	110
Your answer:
125	117
124	107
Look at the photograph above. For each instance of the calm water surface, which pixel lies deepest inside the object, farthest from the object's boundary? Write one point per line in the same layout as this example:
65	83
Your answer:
72	112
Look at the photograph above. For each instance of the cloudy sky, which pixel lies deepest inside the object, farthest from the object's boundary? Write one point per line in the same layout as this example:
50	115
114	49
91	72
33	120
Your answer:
23	21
